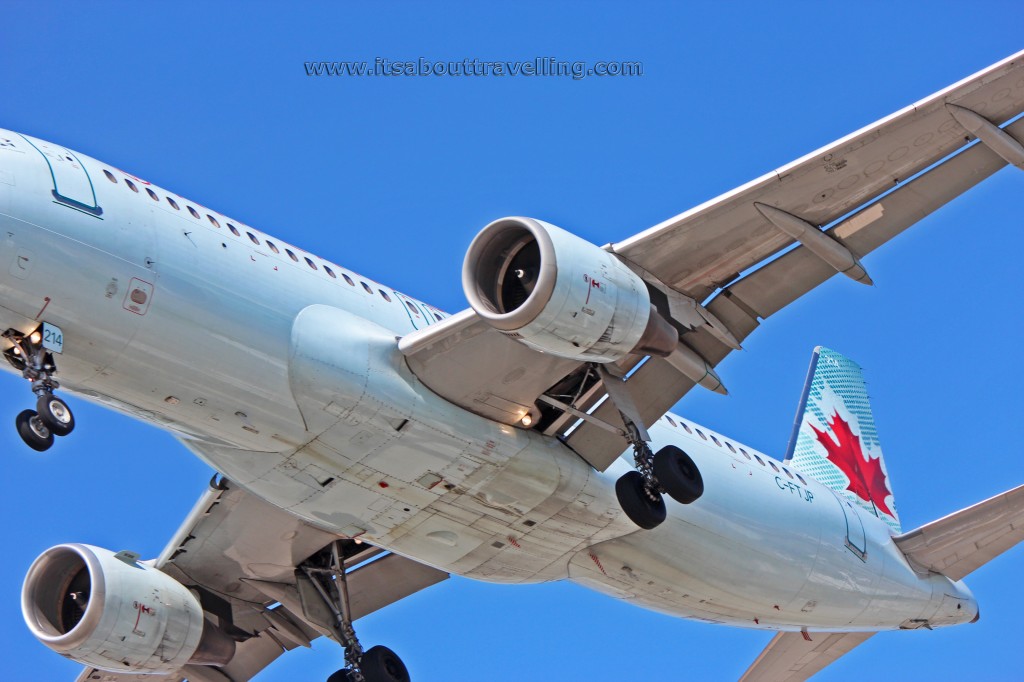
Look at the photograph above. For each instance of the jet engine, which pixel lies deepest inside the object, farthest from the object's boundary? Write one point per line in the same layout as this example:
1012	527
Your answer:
112	612
560	294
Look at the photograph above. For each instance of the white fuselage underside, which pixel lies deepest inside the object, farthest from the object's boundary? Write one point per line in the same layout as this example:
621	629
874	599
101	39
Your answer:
227	352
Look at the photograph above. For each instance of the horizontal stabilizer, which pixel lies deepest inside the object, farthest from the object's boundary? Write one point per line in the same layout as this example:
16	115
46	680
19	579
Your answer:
959	543
794	656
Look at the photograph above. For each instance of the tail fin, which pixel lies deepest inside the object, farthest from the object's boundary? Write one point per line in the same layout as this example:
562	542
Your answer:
834	438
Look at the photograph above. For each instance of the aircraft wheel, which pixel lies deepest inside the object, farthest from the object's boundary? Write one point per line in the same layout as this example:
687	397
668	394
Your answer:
381	664
33	431
678	475
56	414
340	676
637	503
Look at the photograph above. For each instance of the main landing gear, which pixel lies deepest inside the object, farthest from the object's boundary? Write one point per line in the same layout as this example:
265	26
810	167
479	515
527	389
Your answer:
670	470
324	576
52	416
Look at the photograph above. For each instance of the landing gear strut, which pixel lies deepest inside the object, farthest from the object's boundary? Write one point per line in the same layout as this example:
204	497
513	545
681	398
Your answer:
326	573
670	470
52	416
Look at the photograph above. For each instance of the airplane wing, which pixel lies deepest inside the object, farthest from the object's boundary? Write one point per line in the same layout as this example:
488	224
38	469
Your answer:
746	255
791	656
958	544
241	553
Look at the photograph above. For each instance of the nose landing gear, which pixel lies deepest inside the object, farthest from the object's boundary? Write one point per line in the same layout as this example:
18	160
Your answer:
52	416
33	431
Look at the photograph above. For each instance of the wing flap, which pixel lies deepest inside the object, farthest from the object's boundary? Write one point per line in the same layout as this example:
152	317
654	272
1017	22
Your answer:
962	542
705	247
785	279
791	656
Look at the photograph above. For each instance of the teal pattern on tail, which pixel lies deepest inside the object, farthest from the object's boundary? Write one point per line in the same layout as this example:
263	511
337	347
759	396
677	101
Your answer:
834	437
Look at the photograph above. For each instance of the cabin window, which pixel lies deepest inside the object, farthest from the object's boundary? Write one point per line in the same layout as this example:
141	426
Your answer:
412	309
273	246
213	221
744	453
759	460
801	478
367	287
669	420
716	441
172	202
772	464
348	280
195	213
253	238
327	269
786	471
110	176
384	295
731	448
310	263
234	230
291	254
701	434
437	317
686	427
151	193
131	185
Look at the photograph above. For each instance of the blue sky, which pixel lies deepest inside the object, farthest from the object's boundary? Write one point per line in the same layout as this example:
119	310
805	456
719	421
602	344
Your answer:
392	177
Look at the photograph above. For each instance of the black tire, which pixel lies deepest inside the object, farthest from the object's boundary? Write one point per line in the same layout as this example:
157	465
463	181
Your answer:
340	676
678	475
634	500
33	431
56	414
381	664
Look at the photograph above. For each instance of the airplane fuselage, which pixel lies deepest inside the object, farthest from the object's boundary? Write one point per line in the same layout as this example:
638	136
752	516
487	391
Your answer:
281	371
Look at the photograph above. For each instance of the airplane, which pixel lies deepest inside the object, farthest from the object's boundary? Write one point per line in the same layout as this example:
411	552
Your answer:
364	411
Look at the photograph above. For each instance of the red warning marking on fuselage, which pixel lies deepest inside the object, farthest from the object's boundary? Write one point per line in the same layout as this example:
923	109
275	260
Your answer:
598	562
512	541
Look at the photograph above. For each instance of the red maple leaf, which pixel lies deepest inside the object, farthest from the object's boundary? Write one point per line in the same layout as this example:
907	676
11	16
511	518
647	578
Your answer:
867	480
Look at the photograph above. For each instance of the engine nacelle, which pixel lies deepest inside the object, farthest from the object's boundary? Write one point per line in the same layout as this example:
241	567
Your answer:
561	294
91	606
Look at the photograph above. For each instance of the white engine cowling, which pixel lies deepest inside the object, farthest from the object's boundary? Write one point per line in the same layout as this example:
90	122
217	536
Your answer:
561	294
118	615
